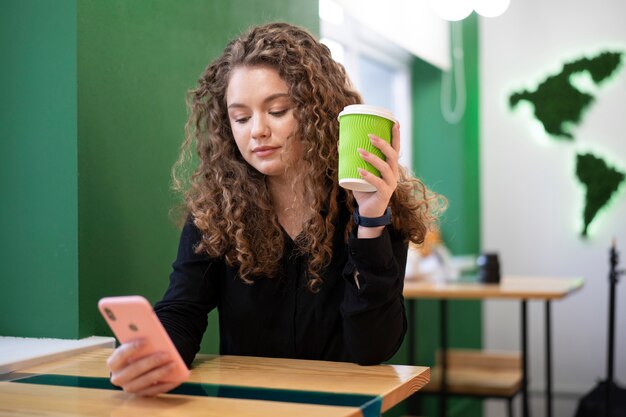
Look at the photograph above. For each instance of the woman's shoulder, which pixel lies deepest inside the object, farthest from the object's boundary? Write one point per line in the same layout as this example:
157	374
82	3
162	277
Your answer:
190	234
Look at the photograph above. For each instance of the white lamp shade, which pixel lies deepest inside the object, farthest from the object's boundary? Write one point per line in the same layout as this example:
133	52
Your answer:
452	10
490	8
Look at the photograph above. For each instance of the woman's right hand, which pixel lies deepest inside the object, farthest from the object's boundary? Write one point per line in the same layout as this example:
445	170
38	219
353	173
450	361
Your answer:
140	376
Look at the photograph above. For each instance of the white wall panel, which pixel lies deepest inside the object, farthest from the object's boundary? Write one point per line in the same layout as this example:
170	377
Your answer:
531	199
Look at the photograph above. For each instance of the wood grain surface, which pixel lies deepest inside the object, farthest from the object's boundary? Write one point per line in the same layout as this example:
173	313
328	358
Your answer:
515	287
393	383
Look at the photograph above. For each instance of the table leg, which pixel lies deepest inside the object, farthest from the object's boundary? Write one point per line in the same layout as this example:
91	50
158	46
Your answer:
443	325
524	340
413	402
411	332
548	360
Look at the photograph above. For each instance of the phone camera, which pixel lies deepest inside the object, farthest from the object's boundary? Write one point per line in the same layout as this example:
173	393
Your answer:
109	314
133	327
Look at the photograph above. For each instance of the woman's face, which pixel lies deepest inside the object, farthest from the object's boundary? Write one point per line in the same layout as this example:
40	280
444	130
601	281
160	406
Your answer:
262	121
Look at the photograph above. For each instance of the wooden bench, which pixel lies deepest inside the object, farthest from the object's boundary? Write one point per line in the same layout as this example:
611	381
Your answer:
478	373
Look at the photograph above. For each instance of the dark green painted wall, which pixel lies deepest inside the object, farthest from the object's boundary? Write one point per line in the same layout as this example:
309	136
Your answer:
38	212
136	60
445	155
92	115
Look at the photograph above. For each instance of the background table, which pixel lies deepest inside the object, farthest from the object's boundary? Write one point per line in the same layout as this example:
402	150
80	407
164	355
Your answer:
219	386
510	287
21	352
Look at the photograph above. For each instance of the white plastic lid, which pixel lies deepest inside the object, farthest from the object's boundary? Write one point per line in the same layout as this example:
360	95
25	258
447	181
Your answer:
367	109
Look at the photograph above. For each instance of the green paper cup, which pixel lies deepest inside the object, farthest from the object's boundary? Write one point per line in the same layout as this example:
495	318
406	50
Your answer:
355	123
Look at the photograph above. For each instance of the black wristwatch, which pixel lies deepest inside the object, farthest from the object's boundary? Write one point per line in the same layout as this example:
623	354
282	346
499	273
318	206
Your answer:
383	220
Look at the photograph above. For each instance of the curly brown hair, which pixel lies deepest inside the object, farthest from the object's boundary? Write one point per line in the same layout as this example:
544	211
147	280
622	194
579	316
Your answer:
228	199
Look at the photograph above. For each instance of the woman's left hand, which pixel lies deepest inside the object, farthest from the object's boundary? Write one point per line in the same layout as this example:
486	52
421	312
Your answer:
374	204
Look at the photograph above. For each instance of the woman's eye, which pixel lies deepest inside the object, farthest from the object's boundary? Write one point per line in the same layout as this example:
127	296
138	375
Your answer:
241	119
279	113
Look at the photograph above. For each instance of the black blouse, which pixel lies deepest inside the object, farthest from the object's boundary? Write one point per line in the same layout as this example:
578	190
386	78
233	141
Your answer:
280	317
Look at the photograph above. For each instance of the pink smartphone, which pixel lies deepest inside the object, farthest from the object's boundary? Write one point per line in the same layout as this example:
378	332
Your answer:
131	317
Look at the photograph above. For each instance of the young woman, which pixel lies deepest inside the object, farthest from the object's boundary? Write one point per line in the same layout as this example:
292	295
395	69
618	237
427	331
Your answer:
270	238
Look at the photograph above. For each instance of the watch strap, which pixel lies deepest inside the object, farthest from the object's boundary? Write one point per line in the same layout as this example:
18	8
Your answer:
383	220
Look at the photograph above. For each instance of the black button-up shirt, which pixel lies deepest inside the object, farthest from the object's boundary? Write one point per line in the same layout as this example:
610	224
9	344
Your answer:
280	317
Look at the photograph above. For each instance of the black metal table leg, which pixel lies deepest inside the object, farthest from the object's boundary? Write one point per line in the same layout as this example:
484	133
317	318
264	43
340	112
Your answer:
524	330
548	360
413	403
411	331
443	389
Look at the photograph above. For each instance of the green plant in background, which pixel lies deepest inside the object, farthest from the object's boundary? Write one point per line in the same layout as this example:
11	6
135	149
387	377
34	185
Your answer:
601	182
556	102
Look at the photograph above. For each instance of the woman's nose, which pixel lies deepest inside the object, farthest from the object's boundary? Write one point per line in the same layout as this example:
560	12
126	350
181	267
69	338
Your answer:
260	128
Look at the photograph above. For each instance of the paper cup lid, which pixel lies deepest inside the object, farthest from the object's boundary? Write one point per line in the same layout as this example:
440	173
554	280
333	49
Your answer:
367	109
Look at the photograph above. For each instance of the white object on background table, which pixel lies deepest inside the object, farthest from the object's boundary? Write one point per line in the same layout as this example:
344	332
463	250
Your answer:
20	352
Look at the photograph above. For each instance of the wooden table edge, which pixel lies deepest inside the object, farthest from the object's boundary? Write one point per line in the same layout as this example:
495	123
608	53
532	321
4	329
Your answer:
481	291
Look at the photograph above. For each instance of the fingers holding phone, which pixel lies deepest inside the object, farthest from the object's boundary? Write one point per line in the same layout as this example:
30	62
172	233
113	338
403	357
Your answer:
141	376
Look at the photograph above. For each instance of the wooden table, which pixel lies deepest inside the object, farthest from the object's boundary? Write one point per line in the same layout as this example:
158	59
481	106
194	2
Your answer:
219	386
544	289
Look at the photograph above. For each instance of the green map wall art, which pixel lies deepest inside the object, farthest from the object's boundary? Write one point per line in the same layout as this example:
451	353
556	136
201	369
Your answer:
558	104
600	180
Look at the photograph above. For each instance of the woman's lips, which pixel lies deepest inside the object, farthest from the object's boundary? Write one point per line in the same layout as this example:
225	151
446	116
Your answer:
262	151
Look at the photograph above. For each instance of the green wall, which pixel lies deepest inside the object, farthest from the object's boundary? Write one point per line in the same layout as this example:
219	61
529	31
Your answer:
92	115
446	157
38	169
